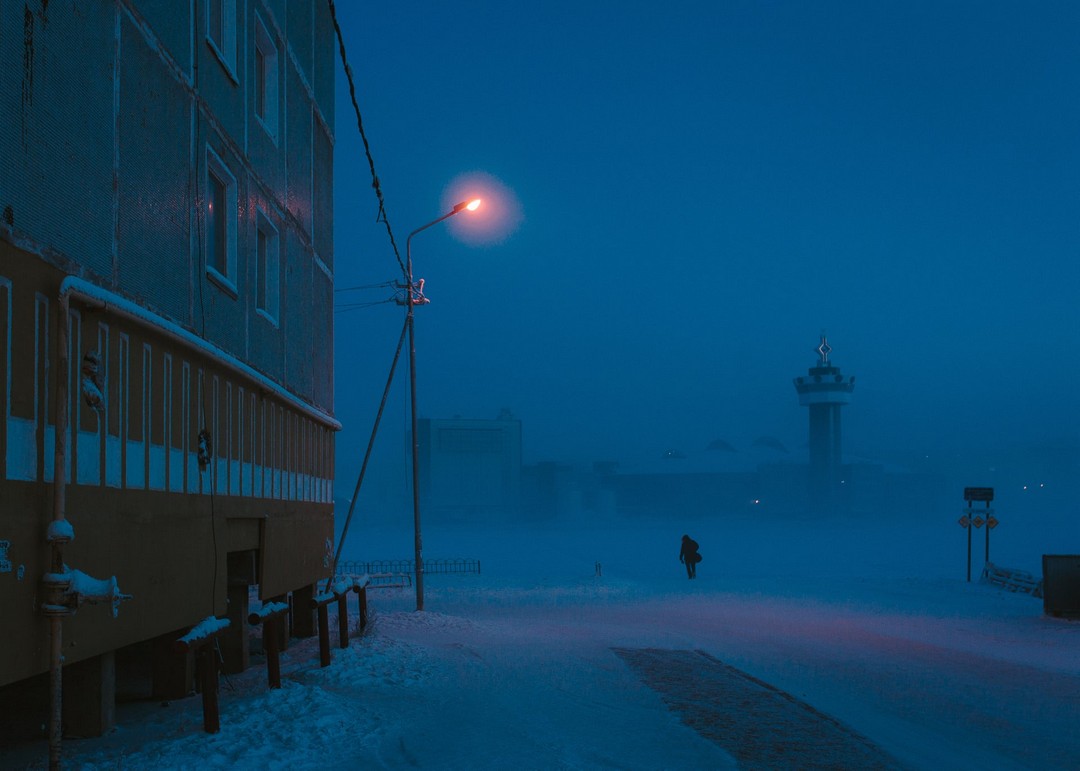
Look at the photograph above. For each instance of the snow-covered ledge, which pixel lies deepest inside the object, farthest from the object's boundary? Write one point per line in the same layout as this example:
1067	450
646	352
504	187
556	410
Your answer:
83	289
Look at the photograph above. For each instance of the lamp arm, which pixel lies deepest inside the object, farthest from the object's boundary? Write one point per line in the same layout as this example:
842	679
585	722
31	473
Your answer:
408	241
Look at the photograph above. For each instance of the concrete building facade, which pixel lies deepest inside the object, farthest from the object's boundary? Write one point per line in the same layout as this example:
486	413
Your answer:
166	240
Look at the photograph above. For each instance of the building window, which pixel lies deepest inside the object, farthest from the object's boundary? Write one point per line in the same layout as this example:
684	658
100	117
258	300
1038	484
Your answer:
266	78
267	267
221	31
221	214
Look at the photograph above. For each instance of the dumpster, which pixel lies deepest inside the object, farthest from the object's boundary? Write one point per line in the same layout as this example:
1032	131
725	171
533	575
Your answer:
1061	585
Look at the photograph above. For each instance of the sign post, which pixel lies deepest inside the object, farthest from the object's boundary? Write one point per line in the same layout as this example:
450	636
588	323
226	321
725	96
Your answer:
972	494
965	522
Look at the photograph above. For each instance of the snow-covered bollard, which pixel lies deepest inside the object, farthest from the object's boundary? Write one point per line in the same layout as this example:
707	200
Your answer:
319	603
341	588
271	616
206	661
338	591
360	585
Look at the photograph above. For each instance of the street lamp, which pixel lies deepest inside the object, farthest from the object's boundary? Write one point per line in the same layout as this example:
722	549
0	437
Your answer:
414	296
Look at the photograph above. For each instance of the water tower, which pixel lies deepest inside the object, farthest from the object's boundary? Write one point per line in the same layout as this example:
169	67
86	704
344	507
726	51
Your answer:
824	390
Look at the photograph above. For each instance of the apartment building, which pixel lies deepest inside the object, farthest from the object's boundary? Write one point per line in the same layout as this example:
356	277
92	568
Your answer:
166	322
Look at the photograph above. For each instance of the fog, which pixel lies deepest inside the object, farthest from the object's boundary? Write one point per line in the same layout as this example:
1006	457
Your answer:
683	198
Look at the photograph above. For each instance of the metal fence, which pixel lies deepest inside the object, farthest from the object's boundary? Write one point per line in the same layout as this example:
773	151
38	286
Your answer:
461	566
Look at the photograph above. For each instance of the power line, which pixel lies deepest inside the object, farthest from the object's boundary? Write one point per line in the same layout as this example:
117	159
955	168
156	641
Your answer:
357	306
367	148
383	285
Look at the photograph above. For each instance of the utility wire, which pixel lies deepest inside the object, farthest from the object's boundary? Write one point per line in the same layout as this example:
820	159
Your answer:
365	286
359	306
367	148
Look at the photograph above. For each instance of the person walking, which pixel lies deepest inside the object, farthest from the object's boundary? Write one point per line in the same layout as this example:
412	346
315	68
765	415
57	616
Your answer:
689	556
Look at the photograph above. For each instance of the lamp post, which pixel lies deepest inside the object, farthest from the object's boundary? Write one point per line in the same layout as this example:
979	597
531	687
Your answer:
414	296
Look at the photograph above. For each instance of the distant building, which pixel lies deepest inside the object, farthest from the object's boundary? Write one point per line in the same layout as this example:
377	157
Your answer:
824	390
553	491
751	482
166	190
470	469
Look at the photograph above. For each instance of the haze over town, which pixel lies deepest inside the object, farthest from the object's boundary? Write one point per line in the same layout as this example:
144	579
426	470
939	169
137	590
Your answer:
689	196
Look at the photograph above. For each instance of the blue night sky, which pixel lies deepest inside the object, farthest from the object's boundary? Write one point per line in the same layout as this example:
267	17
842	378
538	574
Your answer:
688	193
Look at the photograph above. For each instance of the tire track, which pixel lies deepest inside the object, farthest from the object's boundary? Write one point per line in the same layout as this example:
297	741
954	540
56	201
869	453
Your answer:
761	726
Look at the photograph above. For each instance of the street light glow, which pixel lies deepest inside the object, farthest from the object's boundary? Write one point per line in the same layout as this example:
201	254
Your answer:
493	208
471	205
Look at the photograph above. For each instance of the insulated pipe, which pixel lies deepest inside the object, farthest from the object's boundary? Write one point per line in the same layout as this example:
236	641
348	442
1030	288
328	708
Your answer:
56	631
61	417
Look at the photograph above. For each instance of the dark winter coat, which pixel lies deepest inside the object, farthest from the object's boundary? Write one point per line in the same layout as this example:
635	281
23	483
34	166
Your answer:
689	550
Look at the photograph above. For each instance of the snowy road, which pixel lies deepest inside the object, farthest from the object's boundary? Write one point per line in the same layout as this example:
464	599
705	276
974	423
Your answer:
936	692
994	687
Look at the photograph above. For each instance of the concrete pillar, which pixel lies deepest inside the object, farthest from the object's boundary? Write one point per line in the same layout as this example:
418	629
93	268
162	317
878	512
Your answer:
89	704
303	615
235	641
24	709
173	673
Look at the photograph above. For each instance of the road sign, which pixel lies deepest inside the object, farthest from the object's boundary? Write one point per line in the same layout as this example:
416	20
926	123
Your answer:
978	493
991	522
965	521
978	521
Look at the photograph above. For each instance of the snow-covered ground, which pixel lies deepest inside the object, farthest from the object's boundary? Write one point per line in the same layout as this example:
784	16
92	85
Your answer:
871	624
